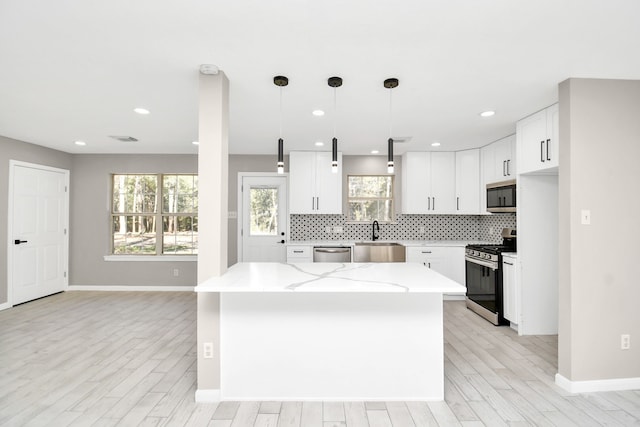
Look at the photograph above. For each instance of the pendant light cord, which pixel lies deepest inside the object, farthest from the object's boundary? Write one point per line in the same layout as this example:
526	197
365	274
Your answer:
335	112
390	112
280	112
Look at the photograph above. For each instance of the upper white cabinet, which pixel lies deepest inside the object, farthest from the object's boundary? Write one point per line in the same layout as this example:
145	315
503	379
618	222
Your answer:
313	188
428	183
468	182
537	141
499	160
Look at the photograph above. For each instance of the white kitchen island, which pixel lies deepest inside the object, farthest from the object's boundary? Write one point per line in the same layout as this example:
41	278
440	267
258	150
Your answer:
325	331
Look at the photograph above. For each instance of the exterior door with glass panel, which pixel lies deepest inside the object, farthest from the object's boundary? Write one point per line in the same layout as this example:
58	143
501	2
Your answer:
264	219
38	223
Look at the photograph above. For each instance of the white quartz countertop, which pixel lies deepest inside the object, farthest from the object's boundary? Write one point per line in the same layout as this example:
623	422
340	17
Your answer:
330	277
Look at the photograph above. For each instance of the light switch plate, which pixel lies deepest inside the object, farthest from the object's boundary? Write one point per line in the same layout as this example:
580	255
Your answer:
585	217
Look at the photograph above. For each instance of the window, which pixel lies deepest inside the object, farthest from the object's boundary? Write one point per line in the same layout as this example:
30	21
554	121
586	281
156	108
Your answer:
370	197
154	214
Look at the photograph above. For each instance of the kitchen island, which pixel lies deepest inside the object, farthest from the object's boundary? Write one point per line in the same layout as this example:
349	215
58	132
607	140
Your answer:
325	331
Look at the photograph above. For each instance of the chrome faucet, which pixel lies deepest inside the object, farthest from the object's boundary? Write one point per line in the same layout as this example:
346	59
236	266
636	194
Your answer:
376	226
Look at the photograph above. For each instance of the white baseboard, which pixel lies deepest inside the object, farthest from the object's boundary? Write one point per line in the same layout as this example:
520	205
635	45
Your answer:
131	288
4	306
208	396
590	386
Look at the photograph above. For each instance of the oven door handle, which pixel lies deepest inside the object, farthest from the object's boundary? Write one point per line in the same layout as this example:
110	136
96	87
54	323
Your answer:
488	264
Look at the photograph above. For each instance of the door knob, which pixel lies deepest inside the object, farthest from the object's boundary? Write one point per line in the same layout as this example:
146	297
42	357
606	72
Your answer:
18	241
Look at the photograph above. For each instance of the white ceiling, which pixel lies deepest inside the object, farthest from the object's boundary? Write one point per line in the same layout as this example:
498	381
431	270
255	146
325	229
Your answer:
75	69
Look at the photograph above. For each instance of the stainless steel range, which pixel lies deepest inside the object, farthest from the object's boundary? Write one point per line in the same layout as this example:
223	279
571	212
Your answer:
484	277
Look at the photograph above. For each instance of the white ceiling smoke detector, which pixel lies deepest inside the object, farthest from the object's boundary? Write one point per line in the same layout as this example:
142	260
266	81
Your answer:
209	69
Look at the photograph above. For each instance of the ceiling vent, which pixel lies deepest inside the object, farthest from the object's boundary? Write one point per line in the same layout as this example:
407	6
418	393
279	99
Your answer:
401	139
124	138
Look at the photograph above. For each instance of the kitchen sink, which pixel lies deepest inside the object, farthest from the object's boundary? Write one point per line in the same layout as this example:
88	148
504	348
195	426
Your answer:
378	252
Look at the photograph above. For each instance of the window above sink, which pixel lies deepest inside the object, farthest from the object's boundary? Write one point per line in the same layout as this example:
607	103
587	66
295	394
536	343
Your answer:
370	198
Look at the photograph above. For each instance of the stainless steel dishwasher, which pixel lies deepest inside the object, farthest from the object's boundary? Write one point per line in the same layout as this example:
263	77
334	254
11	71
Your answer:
331	254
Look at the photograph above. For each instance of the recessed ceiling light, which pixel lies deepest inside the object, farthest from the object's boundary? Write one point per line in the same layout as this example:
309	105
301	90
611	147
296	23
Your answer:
435	144
80	143
488	113
318	113
375	151
195	142
319	143
140	110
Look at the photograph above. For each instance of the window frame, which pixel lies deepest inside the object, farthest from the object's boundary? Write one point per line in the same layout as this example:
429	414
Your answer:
159	215
391	198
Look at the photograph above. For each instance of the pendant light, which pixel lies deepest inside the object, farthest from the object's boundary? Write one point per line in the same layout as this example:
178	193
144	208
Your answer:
390	84
280	81
334	82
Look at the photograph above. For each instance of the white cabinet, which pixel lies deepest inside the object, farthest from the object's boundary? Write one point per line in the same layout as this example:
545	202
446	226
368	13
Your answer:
537	141
468	182
499	160
313	188
446	260
510	289
428	183
299	253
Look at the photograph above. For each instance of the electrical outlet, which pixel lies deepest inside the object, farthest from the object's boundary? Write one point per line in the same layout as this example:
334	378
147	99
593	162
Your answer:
422	230
338	229
327	229
207	350
491	230
176	272
625	341
585	217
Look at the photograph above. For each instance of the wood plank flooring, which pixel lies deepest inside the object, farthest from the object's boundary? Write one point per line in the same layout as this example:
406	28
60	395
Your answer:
128	359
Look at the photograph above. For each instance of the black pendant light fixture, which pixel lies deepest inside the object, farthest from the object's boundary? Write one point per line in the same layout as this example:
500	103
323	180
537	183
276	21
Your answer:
390	84
280	81
334	82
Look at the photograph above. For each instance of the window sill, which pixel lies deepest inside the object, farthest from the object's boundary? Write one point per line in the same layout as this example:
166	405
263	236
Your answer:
155	258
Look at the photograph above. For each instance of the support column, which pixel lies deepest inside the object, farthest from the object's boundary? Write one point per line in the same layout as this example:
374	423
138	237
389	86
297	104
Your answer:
213	187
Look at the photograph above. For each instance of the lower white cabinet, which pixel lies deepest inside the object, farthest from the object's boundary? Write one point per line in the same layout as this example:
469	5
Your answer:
299	253
446	260
510	289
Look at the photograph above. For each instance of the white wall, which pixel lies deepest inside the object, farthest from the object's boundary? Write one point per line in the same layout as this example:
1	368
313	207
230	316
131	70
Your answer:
599	285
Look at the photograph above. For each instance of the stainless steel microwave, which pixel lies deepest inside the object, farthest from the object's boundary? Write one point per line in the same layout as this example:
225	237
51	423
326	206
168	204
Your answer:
501	196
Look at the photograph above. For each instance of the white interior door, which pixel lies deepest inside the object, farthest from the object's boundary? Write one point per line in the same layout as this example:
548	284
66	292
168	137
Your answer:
38	246
265	218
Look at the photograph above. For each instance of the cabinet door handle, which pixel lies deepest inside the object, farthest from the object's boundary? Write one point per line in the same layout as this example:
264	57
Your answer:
434	203
318	203
509	167
298	252
457	203
508	263
542	151
429	264
426	252
313	203
504	164
548	140
428	203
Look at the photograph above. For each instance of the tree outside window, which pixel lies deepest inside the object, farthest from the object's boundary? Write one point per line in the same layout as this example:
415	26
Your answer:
370	197
154	214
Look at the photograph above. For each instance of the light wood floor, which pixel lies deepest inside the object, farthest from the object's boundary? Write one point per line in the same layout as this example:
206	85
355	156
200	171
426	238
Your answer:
116	358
